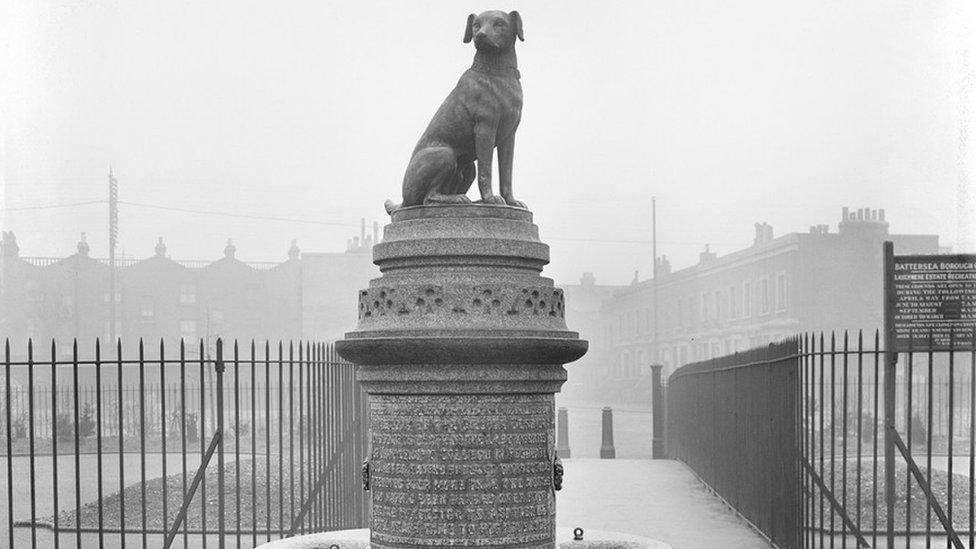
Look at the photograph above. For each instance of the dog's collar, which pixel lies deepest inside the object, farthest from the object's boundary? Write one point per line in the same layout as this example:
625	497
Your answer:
485	68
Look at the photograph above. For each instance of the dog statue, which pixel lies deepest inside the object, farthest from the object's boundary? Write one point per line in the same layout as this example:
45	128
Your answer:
481	113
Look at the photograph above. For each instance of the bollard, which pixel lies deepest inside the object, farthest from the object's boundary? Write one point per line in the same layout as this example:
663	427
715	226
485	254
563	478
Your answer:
657	411
607	450
562	439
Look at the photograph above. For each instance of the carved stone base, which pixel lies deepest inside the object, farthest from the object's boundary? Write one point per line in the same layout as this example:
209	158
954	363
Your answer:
445	468
461	345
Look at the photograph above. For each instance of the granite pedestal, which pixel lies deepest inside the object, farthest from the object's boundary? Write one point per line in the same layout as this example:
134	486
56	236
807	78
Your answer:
461	345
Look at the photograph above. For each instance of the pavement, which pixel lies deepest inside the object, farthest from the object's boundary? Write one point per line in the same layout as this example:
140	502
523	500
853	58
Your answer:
659	499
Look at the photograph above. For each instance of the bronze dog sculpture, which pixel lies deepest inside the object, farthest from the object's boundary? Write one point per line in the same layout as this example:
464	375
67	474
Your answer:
481	113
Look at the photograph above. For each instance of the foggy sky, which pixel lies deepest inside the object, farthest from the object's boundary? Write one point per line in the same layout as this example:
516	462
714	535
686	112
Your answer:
730	113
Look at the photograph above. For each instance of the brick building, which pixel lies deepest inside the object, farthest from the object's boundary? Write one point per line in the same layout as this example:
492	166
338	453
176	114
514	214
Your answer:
584	302
779	286
310	296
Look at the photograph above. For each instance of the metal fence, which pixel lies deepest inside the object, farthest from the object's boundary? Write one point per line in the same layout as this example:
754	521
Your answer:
243	447
734	420
793	437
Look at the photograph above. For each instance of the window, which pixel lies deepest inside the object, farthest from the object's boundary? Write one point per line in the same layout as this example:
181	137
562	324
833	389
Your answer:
781	292
188	329
704	307
67	306
746	299
108	331
33	290
146	311
764	296
188	293
733	303
718	306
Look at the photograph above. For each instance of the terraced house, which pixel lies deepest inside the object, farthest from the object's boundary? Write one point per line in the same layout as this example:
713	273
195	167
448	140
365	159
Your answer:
779	286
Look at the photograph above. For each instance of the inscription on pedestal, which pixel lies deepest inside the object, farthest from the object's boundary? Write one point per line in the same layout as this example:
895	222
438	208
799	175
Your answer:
451	469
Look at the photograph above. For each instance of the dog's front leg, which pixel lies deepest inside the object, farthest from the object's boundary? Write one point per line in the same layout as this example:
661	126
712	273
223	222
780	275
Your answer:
506	152
484	145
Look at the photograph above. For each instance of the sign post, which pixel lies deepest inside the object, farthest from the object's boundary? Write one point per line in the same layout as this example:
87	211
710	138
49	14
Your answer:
930	305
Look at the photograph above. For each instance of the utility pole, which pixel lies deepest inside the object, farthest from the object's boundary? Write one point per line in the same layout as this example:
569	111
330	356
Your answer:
113	237
656	358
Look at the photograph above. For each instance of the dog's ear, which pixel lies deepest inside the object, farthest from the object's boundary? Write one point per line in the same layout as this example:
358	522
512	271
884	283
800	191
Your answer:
516	20
468	31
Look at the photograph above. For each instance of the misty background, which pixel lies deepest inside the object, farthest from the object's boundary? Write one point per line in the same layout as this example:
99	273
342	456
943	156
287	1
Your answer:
307	112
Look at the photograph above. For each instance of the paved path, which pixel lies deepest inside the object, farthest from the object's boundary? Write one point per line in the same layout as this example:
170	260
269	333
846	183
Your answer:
660	499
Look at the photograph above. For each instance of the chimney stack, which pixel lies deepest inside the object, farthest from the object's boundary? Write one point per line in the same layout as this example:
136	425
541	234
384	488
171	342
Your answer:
706	256
230	250
663	266
864	222
9	245
83	247
764	233
160	248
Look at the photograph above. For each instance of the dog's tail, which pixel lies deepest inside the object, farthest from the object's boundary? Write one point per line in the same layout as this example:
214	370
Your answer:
391	207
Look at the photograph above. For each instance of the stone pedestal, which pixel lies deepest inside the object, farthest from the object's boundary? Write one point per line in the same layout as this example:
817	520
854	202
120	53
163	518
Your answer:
461	345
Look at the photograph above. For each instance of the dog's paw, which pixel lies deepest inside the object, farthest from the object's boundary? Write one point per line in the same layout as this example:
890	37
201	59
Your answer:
515	203
493	199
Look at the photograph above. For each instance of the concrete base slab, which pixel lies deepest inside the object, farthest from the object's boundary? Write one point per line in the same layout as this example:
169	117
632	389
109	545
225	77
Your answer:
359	539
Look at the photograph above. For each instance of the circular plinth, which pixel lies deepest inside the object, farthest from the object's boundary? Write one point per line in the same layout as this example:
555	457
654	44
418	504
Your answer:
461	345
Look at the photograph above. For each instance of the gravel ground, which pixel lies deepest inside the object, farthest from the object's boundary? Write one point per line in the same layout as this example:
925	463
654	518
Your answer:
868	489
254	508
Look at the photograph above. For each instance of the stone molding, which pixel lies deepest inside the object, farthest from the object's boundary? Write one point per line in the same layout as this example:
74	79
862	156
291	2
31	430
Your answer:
481	299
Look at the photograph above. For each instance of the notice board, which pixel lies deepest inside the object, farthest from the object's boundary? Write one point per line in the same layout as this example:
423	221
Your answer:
930	301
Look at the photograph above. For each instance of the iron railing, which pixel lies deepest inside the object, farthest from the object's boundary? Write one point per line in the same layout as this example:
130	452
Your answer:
254	444
734	421
793	437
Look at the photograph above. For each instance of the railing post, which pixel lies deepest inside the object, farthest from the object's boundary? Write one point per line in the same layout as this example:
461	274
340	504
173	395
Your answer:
562	437
657	414
891	362
219	367
607	450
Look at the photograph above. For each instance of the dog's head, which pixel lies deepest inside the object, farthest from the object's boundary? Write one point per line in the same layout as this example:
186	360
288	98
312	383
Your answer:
493	31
